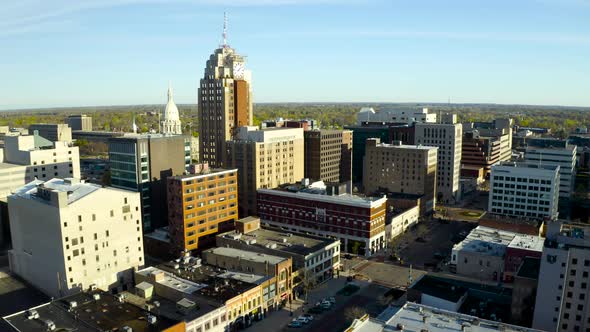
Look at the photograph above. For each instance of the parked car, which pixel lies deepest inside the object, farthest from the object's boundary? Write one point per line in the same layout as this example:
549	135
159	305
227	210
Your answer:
303	319
420	239
332	300
347	256
438	255
326	305
295	323
308	316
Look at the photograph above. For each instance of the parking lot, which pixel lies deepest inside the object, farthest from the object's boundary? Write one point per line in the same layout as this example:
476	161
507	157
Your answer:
337	317
332	319
427	248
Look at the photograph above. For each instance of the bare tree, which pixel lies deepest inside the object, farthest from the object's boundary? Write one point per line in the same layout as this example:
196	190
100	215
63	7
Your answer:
352	313
421	230
309	282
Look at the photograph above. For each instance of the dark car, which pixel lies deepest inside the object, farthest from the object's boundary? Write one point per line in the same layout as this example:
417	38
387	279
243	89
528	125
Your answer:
420	239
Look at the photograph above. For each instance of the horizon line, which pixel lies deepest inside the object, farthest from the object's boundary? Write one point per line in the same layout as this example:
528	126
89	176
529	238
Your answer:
416	103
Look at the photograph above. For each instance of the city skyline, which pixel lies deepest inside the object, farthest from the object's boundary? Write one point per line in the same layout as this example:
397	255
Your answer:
125	52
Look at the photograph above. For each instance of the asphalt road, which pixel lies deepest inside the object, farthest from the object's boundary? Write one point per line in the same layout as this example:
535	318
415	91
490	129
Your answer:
335	319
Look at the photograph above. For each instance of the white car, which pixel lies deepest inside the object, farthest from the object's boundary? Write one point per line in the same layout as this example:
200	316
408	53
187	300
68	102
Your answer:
308	316
303	319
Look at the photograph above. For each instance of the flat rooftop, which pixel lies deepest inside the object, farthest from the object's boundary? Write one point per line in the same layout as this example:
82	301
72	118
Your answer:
528	242
526	165
170	280
208	172
281	241
318	192
485	240
246	255
435	287
103	313
216	288
167	308
74	188
418	317
17	295
407	147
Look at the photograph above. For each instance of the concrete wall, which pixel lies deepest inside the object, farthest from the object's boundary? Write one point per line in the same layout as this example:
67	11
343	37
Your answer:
55	251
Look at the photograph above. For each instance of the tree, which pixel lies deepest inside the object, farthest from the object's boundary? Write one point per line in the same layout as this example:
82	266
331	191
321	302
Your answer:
309	282
393	246
421	230
352	313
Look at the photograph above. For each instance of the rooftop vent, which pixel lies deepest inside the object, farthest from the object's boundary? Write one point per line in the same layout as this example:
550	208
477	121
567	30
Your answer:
73	304
50	325
96	297
32	314
152	319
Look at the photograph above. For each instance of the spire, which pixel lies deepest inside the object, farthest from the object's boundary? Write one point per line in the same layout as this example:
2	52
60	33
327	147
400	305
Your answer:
134	125
170	91
224	29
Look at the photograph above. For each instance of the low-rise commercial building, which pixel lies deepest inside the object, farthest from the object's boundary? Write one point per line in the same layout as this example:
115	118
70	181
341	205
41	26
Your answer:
319	256
524	190
493	254
63	241
419	317
201	204
280	269
92	311
358	222
400	220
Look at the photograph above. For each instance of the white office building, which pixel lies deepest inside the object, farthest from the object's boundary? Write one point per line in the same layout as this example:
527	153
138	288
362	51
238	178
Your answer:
562	291
368	115
68	236
524	190
448	137
565	158
29	157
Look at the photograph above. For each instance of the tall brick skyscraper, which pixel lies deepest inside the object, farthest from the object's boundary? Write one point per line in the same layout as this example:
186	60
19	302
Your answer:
225	102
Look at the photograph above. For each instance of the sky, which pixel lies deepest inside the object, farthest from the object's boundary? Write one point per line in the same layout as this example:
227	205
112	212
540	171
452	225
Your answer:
70	53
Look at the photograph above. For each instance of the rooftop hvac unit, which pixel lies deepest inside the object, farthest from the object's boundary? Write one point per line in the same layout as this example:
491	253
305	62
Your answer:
96	297
73	304
126	329
50	325
32	314
120	297
152	319
284	240
157	304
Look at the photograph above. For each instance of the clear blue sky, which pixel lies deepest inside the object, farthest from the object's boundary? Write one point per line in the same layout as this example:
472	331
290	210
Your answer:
113	52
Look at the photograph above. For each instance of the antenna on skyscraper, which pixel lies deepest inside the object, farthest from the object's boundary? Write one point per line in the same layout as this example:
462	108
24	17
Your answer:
224	29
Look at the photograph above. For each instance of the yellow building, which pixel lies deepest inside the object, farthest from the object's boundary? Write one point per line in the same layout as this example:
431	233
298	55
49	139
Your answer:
200	205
